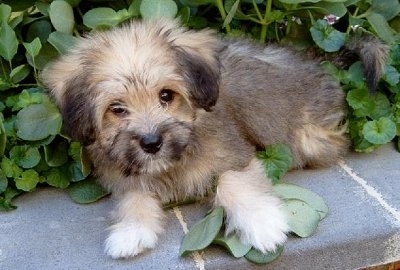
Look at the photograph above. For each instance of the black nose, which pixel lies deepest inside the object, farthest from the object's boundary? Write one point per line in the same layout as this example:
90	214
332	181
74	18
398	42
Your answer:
151	143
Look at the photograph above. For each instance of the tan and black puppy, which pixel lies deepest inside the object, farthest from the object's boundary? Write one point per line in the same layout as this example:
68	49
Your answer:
163	110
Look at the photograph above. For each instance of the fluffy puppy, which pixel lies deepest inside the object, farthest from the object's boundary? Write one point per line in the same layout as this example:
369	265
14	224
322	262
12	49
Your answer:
163	110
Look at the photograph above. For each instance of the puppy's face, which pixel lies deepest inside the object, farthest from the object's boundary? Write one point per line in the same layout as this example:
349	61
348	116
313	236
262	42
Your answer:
132	93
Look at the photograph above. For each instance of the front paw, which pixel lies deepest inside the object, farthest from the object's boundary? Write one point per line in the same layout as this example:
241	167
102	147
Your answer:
128	240
264	229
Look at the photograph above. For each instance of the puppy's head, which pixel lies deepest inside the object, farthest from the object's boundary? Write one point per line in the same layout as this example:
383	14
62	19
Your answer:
132	92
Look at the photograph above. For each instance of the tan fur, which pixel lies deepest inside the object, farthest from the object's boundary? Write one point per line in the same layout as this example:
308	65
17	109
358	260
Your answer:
230	99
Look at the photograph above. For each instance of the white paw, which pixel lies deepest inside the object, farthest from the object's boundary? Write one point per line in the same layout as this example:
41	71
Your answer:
264	229
128	240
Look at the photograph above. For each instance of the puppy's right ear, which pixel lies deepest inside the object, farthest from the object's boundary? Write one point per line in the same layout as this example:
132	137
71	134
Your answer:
66	80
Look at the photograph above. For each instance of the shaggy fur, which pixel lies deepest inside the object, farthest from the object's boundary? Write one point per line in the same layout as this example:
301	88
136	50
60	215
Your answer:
162	110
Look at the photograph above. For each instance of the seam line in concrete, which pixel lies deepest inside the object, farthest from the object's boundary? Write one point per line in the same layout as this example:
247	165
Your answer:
371	191
197	257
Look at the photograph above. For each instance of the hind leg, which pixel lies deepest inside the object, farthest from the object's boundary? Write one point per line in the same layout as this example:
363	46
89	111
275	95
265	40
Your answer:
318	146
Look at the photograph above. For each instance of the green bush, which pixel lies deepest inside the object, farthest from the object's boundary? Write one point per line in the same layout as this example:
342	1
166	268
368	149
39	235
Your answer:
34	149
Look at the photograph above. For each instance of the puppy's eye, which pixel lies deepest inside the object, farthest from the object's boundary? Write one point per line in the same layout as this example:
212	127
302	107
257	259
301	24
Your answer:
118	110
166	95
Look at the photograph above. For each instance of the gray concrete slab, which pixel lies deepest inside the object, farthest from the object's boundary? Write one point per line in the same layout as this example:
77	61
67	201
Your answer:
49	231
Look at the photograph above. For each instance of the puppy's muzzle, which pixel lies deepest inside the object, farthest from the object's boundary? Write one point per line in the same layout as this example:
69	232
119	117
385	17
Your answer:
151	143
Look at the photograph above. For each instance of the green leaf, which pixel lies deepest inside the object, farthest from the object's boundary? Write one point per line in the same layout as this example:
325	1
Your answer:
327	37
27	181
387	8
8	42
62	42
338	9
157	9
391	76
355	75
19	73
277	160
360	100
82	166
10	169
25	156
303	220
86	191
39	29
380	131
101	17
46	54
5	12
289	191
203	232
231	13
28	97
299	1
57	178
382	107
33	48
381	27
62	16
134	8
3	137
258	257
56	153
38	121
3	181
233	244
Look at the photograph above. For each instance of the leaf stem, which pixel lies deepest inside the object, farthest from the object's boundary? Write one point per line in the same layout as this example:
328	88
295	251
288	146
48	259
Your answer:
264	26
220	6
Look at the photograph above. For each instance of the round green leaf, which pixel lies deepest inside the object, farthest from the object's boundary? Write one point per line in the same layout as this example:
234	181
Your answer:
203	232
289	191
39	29
38	121
62	16
303	220
100	17
27	181
327	37
25	156
86	191
233	244
157	9
379	131
57	178
62	42
360	100
258	257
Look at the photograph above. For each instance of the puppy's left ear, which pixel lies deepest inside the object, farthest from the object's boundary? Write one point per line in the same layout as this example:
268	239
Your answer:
197	54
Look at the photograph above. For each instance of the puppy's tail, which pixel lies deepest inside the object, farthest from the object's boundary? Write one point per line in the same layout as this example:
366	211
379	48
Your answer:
373	54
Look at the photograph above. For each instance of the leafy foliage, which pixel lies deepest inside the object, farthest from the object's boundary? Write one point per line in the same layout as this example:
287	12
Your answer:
304	210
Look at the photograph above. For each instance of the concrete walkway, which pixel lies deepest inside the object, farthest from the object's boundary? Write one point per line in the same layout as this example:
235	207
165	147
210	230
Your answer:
49	231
